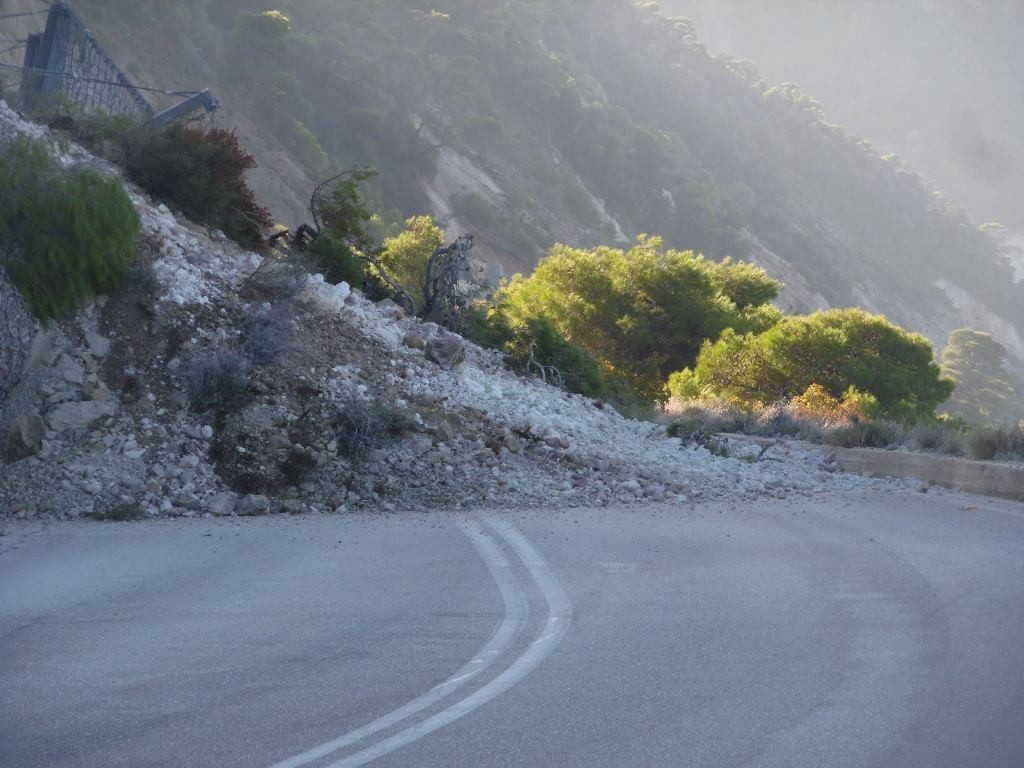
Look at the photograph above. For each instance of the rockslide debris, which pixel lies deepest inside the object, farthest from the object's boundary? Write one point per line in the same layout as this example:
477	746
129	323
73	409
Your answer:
351	405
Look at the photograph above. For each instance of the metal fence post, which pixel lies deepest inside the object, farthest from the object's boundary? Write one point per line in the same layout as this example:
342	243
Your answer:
53	49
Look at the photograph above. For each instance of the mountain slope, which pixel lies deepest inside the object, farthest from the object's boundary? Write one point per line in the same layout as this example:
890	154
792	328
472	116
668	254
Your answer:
933	80
531	122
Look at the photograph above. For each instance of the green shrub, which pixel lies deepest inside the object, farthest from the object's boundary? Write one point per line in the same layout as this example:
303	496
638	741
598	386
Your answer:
937	437
298	140
336	260
683	385
848	352
643	313
259	32
489	327
71	233
405	256
580	372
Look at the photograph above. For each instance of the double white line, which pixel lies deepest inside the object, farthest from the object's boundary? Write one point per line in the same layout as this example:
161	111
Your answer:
516	611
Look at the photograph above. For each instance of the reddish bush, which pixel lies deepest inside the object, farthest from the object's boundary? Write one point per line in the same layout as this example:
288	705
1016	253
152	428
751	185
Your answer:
201	172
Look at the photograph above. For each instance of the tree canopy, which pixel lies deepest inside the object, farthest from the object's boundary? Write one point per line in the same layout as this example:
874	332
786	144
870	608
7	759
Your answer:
642	312
985	391
837	349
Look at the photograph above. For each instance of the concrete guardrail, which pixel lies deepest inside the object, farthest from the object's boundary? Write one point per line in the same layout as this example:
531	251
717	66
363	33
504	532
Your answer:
985	478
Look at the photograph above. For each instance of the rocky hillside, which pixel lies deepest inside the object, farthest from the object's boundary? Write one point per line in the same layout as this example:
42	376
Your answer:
541	121
215	383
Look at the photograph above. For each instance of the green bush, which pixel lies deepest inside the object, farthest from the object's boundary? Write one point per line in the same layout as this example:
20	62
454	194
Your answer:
987	392
405	256
683	385
71	233
875	434
580	372
337	261
874	364
260	32
936	436
643	313
488	326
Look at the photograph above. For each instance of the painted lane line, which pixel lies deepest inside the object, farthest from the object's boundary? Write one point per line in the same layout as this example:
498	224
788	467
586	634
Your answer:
559	619
516	611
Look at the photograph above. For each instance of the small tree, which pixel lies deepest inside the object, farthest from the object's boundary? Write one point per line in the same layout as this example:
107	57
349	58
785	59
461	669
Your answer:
836	350
261	31
645	312
341	218
405	256
984	389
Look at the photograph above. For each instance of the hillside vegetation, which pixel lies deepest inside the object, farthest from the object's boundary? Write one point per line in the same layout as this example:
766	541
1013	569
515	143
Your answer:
533	122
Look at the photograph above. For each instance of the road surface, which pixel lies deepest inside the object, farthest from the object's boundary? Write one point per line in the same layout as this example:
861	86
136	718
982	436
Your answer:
879	630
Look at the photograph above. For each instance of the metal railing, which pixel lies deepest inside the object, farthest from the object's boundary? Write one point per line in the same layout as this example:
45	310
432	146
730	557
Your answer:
65	63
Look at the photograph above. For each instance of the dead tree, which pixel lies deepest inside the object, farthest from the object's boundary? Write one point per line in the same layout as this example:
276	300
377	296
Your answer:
549	374
445	285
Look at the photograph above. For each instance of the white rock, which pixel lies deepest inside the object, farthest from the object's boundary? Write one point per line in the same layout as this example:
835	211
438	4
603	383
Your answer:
79	416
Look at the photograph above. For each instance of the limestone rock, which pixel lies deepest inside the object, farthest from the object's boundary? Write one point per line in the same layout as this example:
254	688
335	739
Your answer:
252	505
25	437
414	340
389	309
98	345
17	330
70	370
78	416
223	504
446	351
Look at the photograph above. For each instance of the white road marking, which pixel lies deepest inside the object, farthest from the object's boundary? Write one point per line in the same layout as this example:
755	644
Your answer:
559	618
516	609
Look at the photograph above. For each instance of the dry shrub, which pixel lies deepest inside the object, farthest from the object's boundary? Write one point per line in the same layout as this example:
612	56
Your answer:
998	443
216	379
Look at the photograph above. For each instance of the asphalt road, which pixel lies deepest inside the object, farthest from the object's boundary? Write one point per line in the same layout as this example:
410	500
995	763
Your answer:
885	630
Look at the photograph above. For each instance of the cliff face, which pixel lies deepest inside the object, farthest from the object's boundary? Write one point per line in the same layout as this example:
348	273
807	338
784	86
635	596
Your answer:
543	122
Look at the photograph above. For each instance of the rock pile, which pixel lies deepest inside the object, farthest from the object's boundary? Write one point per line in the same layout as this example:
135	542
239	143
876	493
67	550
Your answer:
206	388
